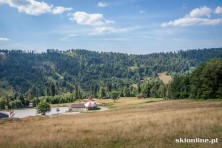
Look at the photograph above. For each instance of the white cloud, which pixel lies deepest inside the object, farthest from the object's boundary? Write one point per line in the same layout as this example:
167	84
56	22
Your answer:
102	4
218	10
200	12
60	10
4	39
84	18
105	30
33	7
198	16
192	21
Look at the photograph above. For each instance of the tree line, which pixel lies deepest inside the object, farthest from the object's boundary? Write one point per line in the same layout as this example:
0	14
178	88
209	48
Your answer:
53	74
205	82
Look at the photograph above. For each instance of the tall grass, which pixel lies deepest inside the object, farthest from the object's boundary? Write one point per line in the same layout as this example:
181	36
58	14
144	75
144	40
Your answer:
138	124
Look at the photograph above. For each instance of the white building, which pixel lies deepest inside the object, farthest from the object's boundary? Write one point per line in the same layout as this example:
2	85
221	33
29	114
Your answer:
90	105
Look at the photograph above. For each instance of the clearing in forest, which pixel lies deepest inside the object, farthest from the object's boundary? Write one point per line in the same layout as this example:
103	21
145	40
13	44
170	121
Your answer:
166	78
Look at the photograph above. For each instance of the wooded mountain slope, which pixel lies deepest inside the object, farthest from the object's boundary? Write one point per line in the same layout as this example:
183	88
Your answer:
21	71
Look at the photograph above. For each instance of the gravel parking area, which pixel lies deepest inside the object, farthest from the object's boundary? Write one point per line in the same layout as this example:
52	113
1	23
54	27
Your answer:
22	113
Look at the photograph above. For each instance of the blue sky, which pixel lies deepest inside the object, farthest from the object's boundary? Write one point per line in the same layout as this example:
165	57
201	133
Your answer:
128	26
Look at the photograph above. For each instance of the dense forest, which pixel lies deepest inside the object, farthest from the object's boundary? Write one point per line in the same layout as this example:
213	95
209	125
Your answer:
205	82
26	76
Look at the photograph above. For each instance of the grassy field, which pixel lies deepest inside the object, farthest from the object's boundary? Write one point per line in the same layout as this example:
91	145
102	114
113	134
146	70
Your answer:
130	122
165	78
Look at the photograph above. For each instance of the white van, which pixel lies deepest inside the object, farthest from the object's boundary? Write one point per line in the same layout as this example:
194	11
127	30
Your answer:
30	105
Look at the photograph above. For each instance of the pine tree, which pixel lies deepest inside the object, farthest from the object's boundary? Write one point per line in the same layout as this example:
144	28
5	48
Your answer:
53	90
138	88
102	92
146	89
48	92
30	95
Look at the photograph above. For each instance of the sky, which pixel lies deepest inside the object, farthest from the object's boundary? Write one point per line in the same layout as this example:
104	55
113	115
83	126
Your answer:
126	26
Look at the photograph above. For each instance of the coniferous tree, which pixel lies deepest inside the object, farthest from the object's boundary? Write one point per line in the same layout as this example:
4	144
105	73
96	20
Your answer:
127	91
138	88
48	92
30	95
53	90
102	92
146	89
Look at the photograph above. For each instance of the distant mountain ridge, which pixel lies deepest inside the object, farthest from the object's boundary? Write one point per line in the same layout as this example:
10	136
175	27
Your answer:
21	71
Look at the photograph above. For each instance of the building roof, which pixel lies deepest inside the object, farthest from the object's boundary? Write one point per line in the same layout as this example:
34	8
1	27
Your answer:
77	106
90	104
3	115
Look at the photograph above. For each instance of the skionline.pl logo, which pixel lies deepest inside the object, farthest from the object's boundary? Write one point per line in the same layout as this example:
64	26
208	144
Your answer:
196	140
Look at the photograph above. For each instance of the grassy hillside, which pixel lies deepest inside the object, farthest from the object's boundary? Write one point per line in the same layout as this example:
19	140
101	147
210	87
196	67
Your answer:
165	78
131	123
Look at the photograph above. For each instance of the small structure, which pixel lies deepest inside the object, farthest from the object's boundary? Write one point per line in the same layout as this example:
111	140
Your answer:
76	107
141	96
30	105
91	99
90	105
3	115
11	114
6	107
106	97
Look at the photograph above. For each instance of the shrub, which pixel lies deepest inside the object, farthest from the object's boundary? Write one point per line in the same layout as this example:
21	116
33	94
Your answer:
2	103
115	95
43	107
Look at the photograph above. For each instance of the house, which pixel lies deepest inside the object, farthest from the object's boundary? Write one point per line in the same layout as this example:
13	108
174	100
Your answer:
3	115
76	107
84	101
90	105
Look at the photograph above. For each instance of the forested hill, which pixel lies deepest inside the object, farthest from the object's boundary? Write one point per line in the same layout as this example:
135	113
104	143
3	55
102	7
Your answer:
87	70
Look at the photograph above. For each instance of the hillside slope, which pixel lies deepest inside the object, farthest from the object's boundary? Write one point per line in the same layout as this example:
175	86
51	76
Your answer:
67	70
133	123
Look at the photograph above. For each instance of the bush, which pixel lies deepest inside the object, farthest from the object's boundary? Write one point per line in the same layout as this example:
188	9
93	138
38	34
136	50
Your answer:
43	107
2	103
36	101
15	104
115	95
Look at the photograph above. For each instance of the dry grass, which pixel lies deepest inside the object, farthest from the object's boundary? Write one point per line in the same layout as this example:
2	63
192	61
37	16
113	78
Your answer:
165	78
133	123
